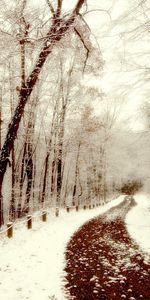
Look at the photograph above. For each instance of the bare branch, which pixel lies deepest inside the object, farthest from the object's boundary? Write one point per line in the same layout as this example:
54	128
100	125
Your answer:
24	5
99	10
78	7
59	7
85	46
51	7
86	24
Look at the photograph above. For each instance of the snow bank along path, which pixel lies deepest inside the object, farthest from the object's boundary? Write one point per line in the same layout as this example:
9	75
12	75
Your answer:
32	263
138	221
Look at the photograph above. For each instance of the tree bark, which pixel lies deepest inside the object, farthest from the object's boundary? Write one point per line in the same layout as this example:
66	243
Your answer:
12	209
21	180
29	172
60	155
29	162
1	196
45	177
76	176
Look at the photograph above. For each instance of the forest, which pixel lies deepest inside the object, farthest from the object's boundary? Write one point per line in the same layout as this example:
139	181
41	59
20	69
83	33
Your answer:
74	103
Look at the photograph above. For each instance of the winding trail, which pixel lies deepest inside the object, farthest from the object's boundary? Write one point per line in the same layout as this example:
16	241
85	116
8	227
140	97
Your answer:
103	262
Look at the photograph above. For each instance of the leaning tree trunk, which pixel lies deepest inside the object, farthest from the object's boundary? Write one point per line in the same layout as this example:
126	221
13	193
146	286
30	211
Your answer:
57	31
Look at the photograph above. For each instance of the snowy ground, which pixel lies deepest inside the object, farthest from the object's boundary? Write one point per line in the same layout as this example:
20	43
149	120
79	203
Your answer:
138	221
32	263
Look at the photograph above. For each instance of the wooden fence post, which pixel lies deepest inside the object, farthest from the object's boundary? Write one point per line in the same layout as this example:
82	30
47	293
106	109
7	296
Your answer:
68	209
10	230
44	215
57	212
29	221
77	208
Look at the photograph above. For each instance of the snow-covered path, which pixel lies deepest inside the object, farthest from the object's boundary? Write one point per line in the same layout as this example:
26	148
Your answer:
32	263
104	263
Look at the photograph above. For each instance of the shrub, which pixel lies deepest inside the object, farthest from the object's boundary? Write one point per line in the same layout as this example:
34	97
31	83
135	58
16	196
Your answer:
130	187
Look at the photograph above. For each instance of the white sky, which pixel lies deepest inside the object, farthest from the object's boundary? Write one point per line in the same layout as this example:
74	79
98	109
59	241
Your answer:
121	53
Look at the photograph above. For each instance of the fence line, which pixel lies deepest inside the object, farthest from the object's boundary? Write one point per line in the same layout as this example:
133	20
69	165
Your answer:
45	211
38	214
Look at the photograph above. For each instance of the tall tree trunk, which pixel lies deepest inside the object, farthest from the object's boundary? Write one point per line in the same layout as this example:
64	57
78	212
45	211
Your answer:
58	29
66	189
0	118
34	182
76	176
19	208
1	206
12	208
1	196
45	177
46	164
81	189
29	174
54	166
29	163
23	72
60	155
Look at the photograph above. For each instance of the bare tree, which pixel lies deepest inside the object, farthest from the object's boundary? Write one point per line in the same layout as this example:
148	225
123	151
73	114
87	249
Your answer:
59	27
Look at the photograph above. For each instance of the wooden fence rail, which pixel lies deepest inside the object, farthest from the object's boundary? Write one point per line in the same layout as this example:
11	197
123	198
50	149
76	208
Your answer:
43	215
